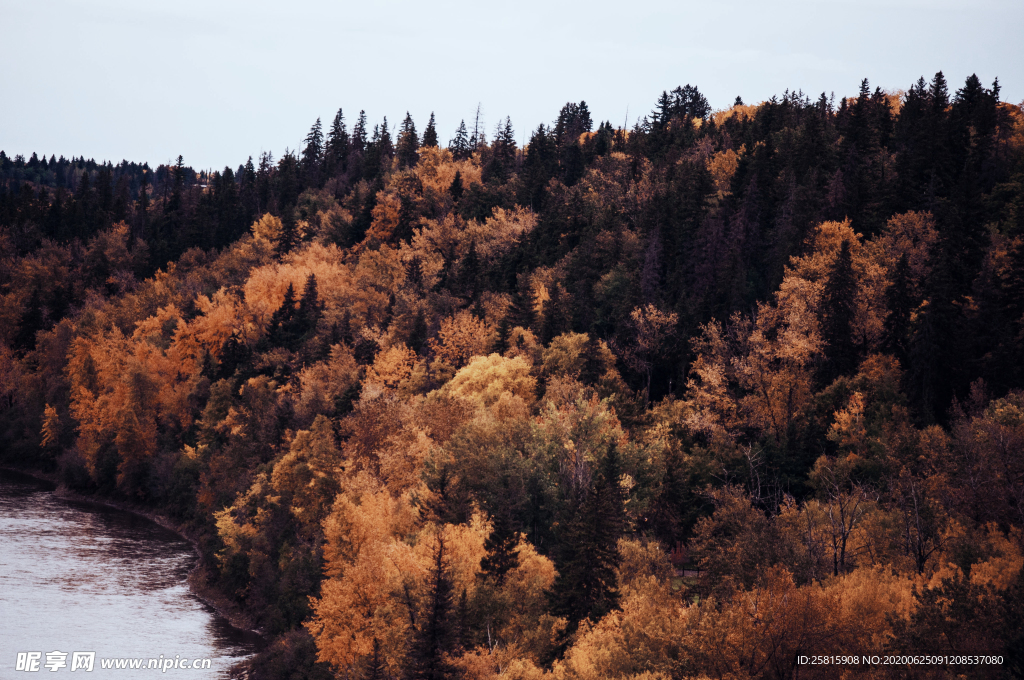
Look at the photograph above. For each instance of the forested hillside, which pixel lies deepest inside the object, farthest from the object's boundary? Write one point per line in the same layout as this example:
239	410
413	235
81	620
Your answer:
686	400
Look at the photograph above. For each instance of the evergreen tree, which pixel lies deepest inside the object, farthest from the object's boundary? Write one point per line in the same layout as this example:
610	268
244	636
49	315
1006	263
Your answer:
553	319
502	546
837	309
587	585
456	188
143	205
375	666
310	307
408	143
459	144
312	155
520	312
336	152
282	322
359	133
593	365
430	134
438	632
469	272
899	303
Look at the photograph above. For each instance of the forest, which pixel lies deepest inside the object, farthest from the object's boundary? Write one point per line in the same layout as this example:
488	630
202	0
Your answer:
688	400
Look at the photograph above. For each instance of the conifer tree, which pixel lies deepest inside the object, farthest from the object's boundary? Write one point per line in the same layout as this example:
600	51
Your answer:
310	307
282	322
593	365
430	133
456	188
899	304
837	310
359	133
587	584
459	145
520	313
375	668
312	154
437	634
336	152
502	546
408	143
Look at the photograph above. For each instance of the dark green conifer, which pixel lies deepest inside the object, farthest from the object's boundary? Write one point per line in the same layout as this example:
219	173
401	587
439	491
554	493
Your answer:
502	546
438	633
456	188
837	310
408	143
430	133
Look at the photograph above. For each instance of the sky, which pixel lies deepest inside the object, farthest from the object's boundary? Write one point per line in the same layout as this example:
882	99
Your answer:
219	81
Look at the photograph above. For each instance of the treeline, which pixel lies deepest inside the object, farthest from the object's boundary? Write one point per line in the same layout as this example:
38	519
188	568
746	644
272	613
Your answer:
574	410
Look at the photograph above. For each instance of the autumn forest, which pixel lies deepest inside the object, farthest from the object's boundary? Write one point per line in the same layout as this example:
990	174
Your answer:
688	400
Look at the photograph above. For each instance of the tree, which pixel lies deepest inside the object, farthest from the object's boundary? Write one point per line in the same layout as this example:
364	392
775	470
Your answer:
437	635
312	154
587	584
430	133
838	302
460	145
337	149
456	187
502	547
408	143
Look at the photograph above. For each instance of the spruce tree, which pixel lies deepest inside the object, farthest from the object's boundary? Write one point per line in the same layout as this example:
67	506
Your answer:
520	312
553	321
899	303
502	546
310	307
312	155
430	133
282	322
456	188
593	364
437	634
837	311
587	584
375	667
336	152
408	143
459	144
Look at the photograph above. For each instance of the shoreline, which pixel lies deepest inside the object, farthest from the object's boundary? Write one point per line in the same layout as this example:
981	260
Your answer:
197	583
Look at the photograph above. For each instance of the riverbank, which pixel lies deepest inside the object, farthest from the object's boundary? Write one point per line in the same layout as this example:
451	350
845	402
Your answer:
198	579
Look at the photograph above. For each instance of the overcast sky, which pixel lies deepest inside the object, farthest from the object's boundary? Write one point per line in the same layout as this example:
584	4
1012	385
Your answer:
218	81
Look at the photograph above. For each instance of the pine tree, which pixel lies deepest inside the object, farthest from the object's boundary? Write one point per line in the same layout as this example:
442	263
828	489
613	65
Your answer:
456	189
587	584
502	546
552	322
143	205
375	667
336	152
359	133
408	143
837	311
310	307
437	634
459	145
430	134
312	155
469	272
520	312
899	303
282	322
593	364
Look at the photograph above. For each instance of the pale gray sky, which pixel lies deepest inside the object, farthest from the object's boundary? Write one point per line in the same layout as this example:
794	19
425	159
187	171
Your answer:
217	81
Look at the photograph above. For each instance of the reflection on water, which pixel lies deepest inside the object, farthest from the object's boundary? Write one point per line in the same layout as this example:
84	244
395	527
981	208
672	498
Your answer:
82	577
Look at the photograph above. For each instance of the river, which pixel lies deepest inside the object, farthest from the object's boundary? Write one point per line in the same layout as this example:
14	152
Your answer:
82	577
